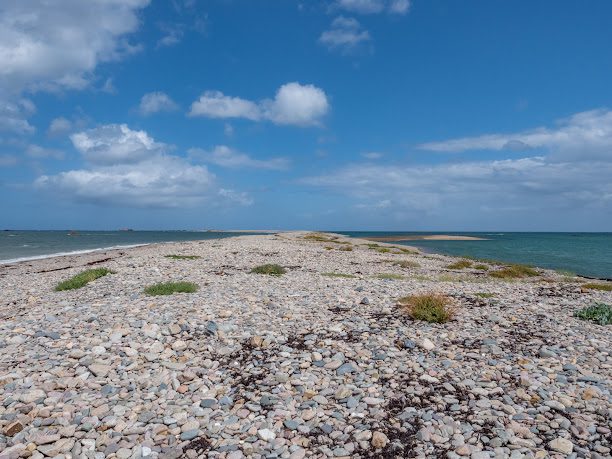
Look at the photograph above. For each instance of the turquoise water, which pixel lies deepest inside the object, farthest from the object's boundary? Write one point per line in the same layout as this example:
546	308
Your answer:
587	254
23	245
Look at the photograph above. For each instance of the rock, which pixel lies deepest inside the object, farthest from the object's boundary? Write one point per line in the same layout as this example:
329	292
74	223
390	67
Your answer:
379	440
99	370
32	395
427	344
561	445
179	345
266	434
12	429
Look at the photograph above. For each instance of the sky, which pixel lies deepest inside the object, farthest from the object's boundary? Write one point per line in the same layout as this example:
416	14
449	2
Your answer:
392	115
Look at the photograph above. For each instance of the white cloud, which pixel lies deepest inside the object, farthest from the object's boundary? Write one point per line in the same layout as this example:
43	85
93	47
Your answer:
57	45
38	152
225	156
116	144
214	104
129	168
373	6
345	34
583	135
155	102
228	130
173	34
534	183
59	126
13	116
8	160
295	104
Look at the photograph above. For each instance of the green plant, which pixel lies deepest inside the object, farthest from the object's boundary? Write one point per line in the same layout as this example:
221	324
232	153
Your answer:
599	313
320	237
594	286
514	272
183	257
430	307
168	288
346	276
270	269
406	264
389	276
460	264
485	294
381	249
81	279
482	267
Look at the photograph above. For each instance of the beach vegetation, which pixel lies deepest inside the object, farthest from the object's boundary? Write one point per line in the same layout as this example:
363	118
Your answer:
269	269
430	307
460	264
183	257
514	272
82	279
597	286
484	295
168	288
341	275
482	267
381	249
389	276
320	237
346	248
600	313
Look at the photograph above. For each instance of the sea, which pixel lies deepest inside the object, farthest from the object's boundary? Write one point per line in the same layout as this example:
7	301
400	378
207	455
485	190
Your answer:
586	254
31	245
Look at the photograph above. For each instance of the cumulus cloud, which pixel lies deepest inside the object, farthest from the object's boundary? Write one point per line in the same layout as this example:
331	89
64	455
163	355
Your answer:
35	55
293	104
59	126
583	135
345	35
155	102
225	156
116	144
129	168
373	6
38	152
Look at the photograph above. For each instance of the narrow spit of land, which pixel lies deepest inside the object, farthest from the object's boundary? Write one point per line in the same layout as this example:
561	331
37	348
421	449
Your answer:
318	361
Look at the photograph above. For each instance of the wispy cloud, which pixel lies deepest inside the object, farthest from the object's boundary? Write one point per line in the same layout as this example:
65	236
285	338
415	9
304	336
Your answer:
373	6
155	102
225	156
293	104
345	35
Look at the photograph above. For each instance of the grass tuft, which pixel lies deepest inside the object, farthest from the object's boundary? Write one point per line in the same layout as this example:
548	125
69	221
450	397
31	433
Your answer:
594	286
168	288
484	295
82	279
514	272
599	313
346	248
270	269
430	307
183	257
482	267
345	276
460	264
389	276
381	249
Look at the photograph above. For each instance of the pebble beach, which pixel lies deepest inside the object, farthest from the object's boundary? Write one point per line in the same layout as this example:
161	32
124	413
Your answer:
319	362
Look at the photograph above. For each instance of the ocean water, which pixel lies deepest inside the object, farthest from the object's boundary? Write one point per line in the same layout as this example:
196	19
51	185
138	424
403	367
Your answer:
27	245
587	254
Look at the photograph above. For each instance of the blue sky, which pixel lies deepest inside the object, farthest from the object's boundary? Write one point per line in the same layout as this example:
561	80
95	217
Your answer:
338	114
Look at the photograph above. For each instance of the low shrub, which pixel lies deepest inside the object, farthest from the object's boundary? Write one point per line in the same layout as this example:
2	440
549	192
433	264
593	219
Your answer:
407	264
594	286
599	313
460	264
168	288
82	279
269	269
481	267
183	257
346	248
514	272
430	307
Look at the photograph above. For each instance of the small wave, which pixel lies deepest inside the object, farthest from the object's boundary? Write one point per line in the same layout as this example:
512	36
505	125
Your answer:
64	254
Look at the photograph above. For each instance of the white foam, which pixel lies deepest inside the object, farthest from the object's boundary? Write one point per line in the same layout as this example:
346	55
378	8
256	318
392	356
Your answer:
65	254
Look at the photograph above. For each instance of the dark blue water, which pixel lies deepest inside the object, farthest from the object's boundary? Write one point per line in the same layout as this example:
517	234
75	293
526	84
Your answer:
19	245
587	254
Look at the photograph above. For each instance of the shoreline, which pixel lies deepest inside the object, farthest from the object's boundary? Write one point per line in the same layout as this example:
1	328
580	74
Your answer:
317	362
